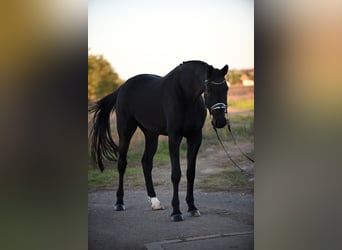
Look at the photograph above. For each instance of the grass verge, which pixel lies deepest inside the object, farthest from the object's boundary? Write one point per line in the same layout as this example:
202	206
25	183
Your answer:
227	180
245	104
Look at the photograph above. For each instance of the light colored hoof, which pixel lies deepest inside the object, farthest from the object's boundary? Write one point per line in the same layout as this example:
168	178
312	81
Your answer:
156	205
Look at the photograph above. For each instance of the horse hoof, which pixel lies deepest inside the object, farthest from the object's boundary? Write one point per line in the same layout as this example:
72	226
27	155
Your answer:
157	207
177	217
194	213
119	207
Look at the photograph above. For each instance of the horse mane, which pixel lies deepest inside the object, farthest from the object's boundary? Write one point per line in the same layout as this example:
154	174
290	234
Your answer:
189	77
195	62
196	65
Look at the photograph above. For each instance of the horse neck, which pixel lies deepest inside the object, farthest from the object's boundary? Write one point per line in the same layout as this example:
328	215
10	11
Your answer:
187	80
194	87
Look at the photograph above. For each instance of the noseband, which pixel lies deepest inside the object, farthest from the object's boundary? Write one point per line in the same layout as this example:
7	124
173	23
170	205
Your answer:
219	105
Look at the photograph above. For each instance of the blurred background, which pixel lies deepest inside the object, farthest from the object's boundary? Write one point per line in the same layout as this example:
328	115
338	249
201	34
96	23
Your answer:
44	94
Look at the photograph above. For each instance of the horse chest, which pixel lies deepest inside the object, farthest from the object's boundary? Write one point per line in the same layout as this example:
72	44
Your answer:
193	122
185	117
191	118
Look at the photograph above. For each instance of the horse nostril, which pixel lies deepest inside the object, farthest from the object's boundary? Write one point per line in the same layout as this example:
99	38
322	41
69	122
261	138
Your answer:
221	123
218	121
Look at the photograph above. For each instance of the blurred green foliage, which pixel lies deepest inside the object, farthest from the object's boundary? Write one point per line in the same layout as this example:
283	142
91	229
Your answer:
236	76
102	79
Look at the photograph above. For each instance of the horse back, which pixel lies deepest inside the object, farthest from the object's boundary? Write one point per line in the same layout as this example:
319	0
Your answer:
140	98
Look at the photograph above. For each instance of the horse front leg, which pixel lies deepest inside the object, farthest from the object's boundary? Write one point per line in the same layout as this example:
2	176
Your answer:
151	144
174	142
193	143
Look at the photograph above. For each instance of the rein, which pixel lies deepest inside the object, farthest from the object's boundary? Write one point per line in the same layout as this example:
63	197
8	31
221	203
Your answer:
231	133
231	159
223	106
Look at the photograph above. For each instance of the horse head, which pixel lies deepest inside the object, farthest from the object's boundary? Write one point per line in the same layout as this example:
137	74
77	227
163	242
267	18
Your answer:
215	95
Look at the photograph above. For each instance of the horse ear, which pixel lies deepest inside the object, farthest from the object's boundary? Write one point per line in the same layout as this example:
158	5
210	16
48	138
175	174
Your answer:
224	70
209	71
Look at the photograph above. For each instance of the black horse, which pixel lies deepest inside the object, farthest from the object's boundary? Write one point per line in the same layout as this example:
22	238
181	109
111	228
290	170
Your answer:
171	105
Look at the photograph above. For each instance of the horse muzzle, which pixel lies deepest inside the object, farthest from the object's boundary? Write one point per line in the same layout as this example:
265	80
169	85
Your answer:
218	115
219	123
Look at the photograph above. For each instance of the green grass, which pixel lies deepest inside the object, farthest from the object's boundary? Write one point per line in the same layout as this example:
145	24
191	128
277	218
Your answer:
246	104
109	177
96	179
161	157
242	126
227	180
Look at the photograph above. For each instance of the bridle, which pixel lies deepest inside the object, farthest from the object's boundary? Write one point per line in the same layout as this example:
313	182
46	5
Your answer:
216	83
218	106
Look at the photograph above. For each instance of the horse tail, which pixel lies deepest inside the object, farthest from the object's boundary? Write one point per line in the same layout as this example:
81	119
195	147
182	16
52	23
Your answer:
102	144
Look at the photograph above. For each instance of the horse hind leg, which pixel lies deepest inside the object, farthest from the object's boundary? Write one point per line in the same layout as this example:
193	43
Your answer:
151	144
125	135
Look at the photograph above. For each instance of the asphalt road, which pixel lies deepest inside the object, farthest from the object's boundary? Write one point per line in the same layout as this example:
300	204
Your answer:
226	222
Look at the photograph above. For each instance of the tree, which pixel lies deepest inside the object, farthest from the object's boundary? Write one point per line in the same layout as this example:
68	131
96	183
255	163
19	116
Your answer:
234	77
251	75
102	79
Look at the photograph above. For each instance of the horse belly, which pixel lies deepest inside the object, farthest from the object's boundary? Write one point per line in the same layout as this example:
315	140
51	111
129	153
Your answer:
142	99
152	120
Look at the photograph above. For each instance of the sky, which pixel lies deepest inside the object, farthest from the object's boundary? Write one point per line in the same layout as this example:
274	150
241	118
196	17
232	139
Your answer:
155	36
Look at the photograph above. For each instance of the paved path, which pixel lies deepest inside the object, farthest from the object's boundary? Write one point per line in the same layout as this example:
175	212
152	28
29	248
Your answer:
226	222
